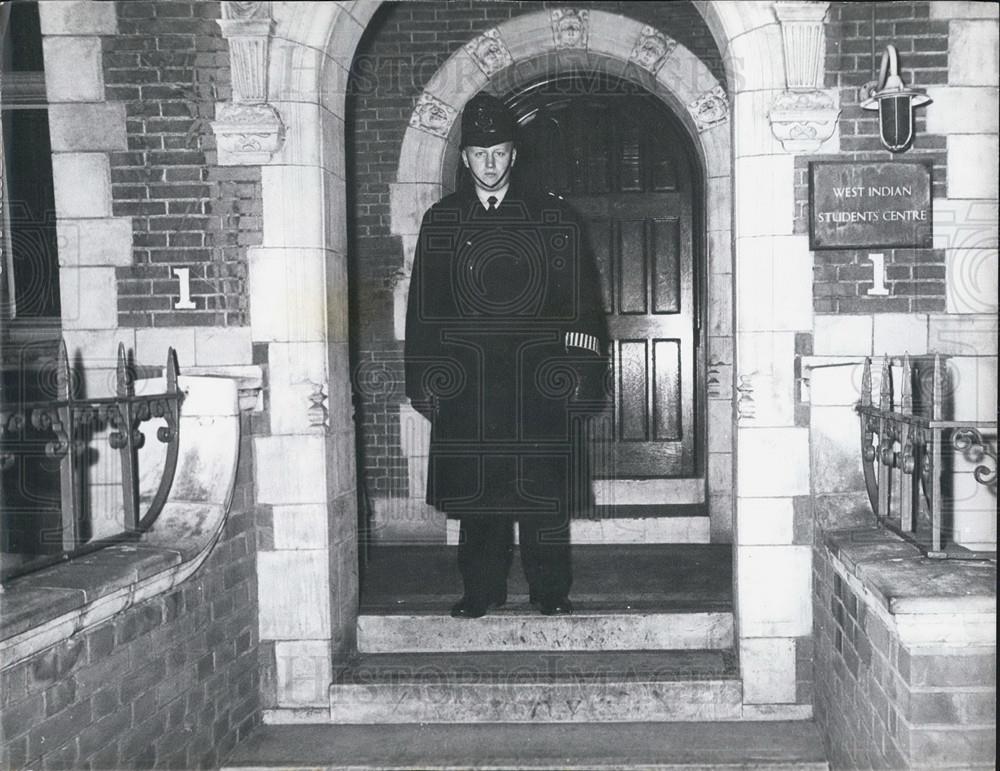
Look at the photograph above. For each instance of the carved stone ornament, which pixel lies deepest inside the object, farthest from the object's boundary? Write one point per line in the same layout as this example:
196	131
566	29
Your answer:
433	116
245	9
746	408
489	52
804	41
247	27
710	109
570	27
652	49
247	134
317	413
803	120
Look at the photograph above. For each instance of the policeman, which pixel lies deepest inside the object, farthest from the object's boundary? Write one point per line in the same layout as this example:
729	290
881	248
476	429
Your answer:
504	354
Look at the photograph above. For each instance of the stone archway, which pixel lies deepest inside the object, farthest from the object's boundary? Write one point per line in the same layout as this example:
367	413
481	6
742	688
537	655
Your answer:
308	581
540	44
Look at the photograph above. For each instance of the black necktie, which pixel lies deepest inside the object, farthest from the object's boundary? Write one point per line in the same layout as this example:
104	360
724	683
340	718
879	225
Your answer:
492	201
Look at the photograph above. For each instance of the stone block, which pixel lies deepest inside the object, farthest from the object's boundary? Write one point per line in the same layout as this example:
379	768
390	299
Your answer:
720	426
971	335
756	71
772	462
294	206
459	77
720	309
296	370
290	469
972	53
765	200
972	280
963	9
218	346
94	242
293	594
767	360
83	127
765	521
834	450
757	138
775	279
408	202
775	585
973	387
82	183
151	345
716	142
899	333
98	347
73	69
720	470
720	251
839	511
77	17
720	205
834	381
973	165
285	303
88	298
303	672
768	668
963	110
842	335
720	512
421	157
962	224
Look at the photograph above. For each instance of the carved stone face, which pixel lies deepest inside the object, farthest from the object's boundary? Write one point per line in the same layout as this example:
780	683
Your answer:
488	51
570	30
651	51
433	116
711	110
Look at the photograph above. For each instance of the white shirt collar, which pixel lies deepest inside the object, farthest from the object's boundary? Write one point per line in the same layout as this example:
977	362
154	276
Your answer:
484	195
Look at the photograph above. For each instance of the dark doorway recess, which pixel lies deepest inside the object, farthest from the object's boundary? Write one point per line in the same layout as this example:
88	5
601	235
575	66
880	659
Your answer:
626	164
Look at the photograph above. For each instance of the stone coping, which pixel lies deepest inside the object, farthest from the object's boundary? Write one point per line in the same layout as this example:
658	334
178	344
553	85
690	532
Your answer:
905	582
40	609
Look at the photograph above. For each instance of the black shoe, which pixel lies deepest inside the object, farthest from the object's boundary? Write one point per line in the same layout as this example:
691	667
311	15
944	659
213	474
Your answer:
468	608
472	607
555	606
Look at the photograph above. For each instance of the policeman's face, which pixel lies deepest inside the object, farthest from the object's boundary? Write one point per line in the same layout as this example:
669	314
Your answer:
490	166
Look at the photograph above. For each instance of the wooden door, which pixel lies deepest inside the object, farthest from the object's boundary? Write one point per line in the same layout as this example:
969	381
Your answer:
618	156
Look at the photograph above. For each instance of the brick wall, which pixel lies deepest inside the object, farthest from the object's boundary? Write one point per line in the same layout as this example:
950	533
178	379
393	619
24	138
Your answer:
915	277
169	65
403	47
882	705
172	682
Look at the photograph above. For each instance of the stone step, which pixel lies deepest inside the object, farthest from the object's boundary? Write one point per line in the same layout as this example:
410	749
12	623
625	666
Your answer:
596	747
648	529
520	629
537	687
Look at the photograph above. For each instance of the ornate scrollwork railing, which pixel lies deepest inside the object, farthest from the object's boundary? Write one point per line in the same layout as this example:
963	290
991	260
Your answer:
903	454
73	420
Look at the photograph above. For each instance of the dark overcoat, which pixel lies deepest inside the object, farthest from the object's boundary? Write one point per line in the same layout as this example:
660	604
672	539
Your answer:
505	353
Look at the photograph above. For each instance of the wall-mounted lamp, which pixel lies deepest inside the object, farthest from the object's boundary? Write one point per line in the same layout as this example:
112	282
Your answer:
895	104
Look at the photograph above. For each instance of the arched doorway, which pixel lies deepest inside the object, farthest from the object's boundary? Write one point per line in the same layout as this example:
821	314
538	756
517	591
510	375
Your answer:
624	162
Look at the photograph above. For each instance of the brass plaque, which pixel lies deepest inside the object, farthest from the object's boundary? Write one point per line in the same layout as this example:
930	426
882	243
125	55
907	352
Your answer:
856	205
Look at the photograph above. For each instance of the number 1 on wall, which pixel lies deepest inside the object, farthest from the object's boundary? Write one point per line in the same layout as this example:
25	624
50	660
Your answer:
184	279
878	274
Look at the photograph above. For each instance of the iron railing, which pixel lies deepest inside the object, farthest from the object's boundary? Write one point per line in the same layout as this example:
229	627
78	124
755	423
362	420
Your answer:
905	456
73	420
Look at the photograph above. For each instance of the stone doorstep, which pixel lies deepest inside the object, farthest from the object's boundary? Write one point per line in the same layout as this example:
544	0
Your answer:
513	688
566	746
524	631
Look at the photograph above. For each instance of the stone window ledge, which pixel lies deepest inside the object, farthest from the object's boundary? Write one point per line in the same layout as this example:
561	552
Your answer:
40	609
928	601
